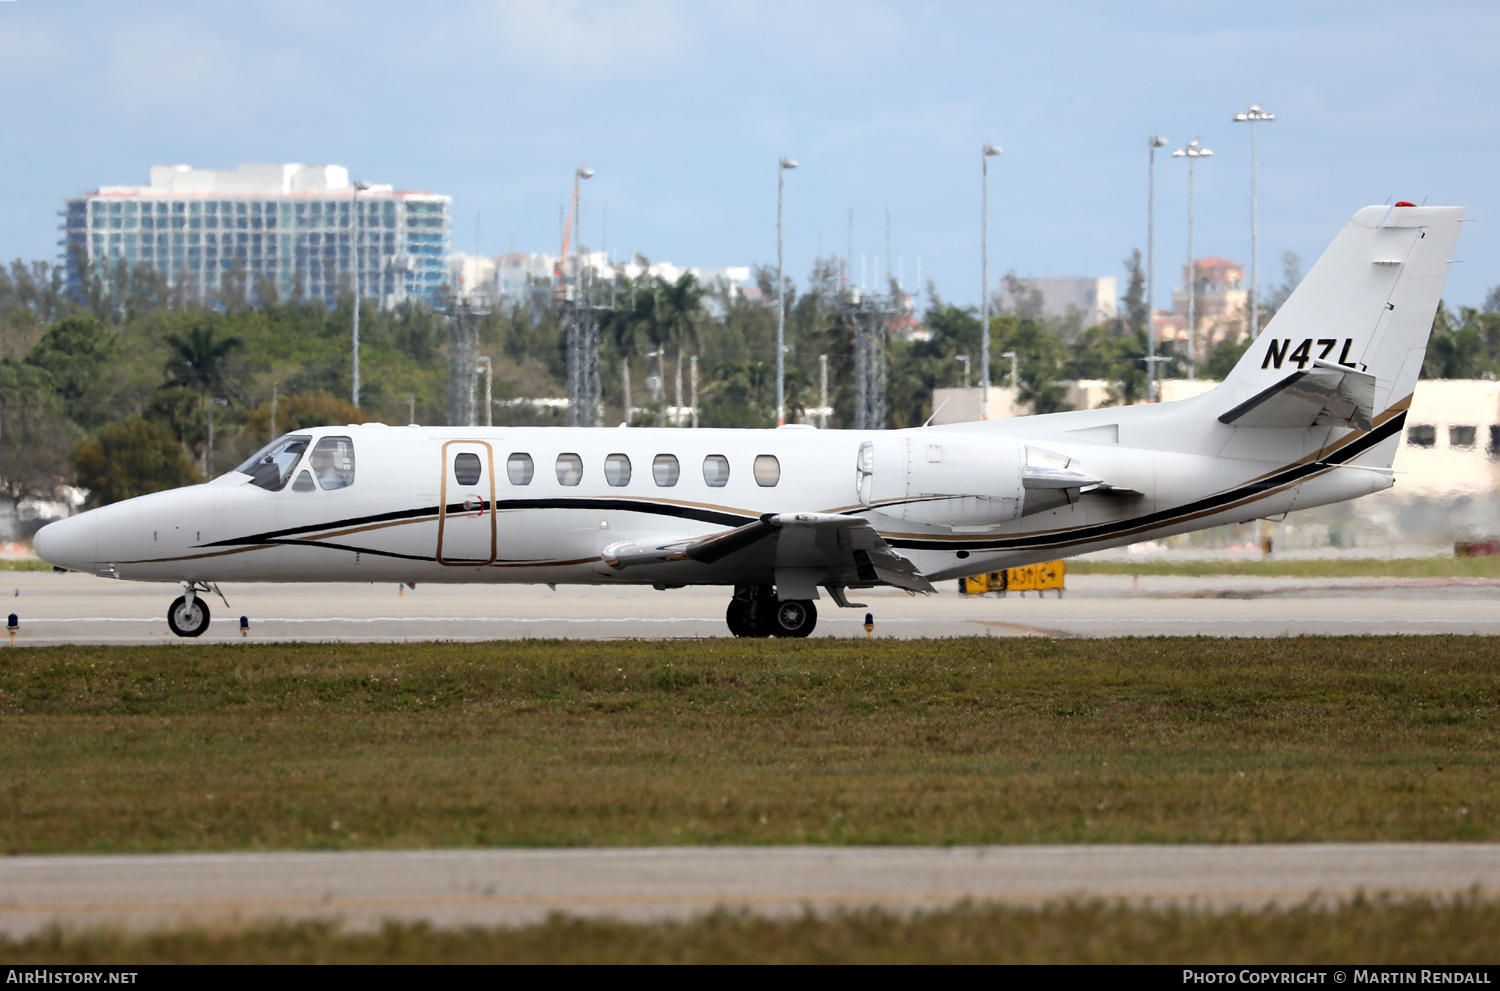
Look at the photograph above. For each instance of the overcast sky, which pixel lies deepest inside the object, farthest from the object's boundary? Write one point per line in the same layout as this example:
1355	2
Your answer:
682	107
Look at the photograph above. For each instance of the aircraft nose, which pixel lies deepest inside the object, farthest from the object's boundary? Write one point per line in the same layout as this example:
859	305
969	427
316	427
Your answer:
70	543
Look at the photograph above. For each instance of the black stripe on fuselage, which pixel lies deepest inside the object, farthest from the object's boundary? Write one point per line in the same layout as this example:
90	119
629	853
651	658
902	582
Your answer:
501	505
1088	534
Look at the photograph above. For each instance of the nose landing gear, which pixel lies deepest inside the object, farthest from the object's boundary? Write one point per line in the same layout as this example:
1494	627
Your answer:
188	615
755	612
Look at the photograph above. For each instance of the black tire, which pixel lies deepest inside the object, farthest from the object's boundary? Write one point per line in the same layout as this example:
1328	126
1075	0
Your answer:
738	618
185	621
788	618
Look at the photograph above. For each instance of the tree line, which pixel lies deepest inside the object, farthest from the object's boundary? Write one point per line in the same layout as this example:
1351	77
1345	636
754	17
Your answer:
133	386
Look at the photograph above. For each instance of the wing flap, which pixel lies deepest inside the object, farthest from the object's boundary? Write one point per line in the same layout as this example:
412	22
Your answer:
846	549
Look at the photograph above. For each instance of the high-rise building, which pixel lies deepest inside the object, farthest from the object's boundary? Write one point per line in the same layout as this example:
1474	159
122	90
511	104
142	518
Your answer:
294	225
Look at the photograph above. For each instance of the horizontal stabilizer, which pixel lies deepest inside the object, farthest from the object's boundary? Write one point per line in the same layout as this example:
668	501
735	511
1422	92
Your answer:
1324	395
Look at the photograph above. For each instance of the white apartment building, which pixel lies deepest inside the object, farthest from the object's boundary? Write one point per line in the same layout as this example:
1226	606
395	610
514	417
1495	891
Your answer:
300	226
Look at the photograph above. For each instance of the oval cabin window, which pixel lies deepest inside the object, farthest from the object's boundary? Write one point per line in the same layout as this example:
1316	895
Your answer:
569	469
466	468
665	470
767	470
617	470
520	468
716	471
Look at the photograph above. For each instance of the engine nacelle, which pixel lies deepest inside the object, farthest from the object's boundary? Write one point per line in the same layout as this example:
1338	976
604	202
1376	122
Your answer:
943	480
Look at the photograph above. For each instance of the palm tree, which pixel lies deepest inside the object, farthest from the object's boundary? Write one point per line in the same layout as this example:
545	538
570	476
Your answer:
679	304
198	363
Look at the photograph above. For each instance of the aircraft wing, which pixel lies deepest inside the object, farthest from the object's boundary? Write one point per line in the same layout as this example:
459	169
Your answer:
1324	395
845	549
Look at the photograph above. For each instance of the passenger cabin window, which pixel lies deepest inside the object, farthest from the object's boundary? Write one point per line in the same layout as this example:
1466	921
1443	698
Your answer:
1462	437
466	468
304	482
665	470
1494	449
520	468
271	467
617	470
569	469
333	462
1421	435
716	471
767	470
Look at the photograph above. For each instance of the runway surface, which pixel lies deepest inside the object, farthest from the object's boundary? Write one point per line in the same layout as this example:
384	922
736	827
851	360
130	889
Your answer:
71	608
454	888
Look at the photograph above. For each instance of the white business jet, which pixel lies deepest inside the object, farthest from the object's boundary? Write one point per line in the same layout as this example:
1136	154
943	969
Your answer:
1311	415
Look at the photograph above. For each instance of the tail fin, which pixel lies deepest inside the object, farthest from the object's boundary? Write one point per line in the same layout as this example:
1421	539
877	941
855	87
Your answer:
1367	305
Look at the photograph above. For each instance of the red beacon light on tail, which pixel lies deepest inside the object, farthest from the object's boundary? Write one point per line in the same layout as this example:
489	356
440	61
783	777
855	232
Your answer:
1405	203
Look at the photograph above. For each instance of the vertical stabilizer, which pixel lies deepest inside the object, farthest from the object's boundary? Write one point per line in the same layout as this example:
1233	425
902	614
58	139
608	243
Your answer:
1367	304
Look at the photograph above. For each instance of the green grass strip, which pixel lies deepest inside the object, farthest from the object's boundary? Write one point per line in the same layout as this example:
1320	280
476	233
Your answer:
625	743
1369	932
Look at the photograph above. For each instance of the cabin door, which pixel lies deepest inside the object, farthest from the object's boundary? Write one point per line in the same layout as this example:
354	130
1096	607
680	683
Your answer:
466	505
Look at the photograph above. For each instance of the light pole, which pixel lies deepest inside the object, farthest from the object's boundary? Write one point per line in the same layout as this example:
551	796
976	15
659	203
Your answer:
1192	153
781	168
579	359
1253	117
580	174
354	252
985	154
1154	142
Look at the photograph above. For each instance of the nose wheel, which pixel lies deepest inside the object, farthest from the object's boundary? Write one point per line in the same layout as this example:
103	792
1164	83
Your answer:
756	612
188	616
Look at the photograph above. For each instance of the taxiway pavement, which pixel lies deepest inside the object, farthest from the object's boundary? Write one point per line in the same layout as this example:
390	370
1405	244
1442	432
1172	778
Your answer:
72	608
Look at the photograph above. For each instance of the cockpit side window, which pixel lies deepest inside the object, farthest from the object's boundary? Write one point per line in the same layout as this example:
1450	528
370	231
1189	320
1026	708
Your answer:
272	465
333	462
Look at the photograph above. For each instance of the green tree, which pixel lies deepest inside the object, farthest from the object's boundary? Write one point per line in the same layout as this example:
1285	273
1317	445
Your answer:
35	433
1276	296
1136	304
131	458
1457	349
75	353
1224	356
199	360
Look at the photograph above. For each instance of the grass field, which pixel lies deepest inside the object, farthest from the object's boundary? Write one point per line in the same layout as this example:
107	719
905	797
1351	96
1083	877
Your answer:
1372	567
1363	932
675	742
24	564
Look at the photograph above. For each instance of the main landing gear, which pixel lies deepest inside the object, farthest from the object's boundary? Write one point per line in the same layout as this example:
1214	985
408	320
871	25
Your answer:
188	615
755	612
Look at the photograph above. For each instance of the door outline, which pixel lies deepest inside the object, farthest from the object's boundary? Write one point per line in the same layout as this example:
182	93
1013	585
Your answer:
443	505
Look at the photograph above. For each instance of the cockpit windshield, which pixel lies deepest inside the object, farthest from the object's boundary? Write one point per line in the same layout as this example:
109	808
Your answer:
273	464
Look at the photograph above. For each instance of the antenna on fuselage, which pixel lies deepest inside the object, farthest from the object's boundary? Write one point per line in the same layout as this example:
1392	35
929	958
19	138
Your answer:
928	421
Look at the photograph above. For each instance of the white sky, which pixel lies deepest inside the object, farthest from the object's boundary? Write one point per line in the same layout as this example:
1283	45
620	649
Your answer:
682	107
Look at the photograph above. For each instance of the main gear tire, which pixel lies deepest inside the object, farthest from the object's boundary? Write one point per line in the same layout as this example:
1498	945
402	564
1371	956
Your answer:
738	616
788	618
188	619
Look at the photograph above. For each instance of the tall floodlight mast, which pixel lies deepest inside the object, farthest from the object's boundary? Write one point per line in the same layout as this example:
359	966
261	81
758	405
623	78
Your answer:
1253	117
781	169
985	154
354	254
1154	142
581	409
1192	153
